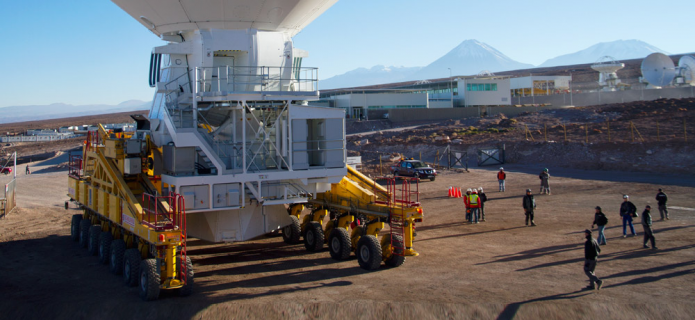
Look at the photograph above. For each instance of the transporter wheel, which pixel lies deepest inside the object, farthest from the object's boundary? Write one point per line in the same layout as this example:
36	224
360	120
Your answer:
84	232
190	277
105	247
393	260
149	280
313	237
432	179
93	243
75	227
292	232
339	244
117	253
369	252
131	267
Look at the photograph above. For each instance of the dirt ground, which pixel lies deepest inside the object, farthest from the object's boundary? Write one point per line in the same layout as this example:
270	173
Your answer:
498	269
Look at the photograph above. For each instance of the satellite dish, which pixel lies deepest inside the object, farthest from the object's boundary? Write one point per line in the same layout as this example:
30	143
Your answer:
658	69
687	69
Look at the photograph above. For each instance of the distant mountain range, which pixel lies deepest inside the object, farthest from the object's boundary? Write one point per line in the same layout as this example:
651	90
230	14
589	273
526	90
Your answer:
469	58
618	50
472	57
364	77
61	110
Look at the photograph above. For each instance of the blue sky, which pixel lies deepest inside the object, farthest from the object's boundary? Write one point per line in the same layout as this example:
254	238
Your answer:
91	52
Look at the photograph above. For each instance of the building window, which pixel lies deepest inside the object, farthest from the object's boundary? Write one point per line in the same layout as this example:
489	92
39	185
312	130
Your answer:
481	87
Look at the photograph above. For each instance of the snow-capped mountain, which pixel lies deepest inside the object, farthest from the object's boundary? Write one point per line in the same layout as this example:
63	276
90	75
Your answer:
363	77
619	50
470	58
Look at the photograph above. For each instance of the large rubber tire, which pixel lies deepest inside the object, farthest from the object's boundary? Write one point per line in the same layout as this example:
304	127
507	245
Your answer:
149	280
394	260
368	253
291	233
313	237
339	244
75	227
117	255
432	179
190	277
105	240
93	243
84	232
131	267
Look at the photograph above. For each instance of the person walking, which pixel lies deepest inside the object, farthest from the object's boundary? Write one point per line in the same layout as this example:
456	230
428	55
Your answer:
647	225
591	252
601	221
661	198
627	212
27	171
529	205
501	177
544	176
483	199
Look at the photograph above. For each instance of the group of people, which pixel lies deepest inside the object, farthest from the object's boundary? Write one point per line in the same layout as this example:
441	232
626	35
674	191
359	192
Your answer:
628	211
592	247
474	201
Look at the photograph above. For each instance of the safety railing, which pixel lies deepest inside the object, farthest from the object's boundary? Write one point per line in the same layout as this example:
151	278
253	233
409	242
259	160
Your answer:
254	79
161	218
75	168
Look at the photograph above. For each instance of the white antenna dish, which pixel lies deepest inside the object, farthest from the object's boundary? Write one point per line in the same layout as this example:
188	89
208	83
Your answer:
686	66
608	66
658	69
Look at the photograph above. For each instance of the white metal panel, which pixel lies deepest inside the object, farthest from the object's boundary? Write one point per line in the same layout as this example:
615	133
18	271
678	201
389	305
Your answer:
289	16
300	134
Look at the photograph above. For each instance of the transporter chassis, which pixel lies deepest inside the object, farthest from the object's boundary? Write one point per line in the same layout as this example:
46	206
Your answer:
140	234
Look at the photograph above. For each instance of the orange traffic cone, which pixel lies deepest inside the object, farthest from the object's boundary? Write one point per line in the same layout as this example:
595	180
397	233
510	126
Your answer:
451	192
458	192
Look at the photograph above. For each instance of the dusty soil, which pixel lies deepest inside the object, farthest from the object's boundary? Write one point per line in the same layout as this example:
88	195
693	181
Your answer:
647	136
497	269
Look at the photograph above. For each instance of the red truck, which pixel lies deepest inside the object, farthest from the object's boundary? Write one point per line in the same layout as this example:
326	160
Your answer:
5	170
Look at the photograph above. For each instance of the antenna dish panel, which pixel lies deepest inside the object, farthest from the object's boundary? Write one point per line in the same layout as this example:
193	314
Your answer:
173	16
658	69
687	66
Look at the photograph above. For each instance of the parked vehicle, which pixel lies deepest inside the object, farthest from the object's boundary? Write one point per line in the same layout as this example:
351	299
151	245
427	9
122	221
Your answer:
414	168
5	170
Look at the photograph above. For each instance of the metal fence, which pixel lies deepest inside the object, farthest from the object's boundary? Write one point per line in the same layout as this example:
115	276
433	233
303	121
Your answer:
8	200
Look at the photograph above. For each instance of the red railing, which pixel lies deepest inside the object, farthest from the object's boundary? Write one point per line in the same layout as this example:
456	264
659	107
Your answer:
92	140
406	193
75	168
160	218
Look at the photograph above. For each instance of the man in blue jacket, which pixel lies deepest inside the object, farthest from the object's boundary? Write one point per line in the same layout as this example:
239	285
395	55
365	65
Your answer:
627	211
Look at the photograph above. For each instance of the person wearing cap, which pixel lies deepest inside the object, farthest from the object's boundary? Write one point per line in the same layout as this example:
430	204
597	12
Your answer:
466	202
627	211
474	203
661	199
529	205
601	221
591	252
501	177
647	225
544	176
483	198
